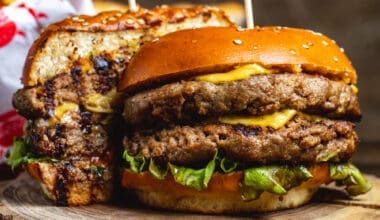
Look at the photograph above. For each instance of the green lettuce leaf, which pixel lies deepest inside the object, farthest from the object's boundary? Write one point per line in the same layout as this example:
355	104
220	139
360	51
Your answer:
227	166
18	155
331	157
350	176
274	179
98	171
157	171
197	179
137	163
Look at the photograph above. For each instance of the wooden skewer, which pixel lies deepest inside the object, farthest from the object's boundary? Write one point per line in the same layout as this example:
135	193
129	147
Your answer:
249	13
132	5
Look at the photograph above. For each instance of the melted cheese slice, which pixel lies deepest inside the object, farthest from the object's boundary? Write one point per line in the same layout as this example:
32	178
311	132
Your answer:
313	118
100	103
355	89
61	110
239	73
276	120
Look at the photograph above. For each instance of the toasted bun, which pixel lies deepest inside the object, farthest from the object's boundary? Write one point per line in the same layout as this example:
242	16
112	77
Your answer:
193	52
77	192
222	194
111	32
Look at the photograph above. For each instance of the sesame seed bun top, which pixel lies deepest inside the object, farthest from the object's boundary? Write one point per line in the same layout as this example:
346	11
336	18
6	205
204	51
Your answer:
188	53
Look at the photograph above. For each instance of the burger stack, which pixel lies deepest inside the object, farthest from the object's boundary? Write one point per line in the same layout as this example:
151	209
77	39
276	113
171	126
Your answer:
234	120
70	98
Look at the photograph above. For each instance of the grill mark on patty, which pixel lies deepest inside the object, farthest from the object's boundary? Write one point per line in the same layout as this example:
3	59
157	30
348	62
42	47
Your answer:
49	98
248	131
74	73
106	79
85	121
60	147
61	182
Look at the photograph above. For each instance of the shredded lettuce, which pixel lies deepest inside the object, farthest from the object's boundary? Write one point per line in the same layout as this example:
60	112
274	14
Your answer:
157	171
350	176
274	179
19	154
98	171
331	157
197	179
136	163
227	166
16	155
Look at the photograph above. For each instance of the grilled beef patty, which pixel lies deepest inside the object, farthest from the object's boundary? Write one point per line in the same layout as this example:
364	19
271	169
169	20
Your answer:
73	87
261	94
299	141
78	132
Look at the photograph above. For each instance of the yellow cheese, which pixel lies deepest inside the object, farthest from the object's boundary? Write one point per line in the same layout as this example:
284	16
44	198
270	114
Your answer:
100	103
313	118
276	120
60	111
354	89
239	73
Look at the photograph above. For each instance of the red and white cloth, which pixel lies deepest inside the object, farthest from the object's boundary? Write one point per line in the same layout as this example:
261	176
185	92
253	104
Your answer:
20	24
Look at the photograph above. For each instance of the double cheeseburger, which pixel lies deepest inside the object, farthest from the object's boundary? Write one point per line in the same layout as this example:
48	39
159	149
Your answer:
235	120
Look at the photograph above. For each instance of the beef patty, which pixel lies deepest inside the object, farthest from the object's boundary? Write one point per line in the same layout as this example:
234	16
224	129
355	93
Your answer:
299	140
257	95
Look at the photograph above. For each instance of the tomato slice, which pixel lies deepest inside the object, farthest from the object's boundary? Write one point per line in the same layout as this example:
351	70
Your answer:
11	125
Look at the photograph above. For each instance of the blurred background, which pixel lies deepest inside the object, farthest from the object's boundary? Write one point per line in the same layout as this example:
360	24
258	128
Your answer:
355	25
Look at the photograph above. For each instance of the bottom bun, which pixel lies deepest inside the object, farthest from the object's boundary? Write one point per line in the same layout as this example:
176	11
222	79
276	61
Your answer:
220	203
73	192
221	196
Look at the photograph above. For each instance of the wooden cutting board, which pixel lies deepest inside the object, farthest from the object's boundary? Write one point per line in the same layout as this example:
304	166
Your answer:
22	198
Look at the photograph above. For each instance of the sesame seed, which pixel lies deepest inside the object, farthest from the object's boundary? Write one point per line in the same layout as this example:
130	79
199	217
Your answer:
255	47
335	59
333	41
325	43
310	43
292	51
240	29
85	23
80	20
155	39
316	33
141	21
238	42
75	18
130	21
305	46
342	49
277	29
104	21
112	19
118	15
